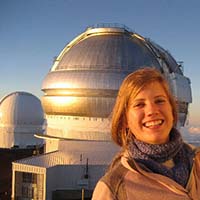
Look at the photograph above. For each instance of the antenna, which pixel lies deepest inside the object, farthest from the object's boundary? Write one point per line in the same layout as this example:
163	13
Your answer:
86	176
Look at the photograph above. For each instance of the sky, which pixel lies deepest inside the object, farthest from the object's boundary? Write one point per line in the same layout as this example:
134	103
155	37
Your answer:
33	32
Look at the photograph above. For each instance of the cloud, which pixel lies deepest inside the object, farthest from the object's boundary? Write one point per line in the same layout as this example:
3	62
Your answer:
194	129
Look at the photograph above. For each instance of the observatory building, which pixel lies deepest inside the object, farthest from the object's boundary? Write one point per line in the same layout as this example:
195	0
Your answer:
79	94
21	116
80	89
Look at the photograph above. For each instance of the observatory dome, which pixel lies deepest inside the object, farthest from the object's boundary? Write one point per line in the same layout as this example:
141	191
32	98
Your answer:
85	77
21	116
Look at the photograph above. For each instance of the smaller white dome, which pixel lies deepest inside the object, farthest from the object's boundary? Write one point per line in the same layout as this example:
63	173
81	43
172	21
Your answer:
21	108
21	116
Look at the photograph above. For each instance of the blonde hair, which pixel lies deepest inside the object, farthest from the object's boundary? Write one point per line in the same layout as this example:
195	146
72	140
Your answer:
130	87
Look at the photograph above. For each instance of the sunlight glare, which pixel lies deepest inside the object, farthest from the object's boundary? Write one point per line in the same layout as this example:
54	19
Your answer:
63	100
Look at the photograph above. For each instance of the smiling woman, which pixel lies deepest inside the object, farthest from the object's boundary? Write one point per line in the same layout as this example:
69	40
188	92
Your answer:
143	94
149	115
154	161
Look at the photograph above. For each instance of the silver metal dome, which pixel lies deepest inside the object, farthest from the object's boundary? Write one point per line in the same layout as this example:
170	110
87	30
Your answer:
85	77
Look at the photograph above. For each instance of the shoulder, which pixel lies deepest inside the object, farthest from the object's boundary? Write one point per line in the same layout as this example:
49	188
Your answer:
114	178
111	185
102	192
115	175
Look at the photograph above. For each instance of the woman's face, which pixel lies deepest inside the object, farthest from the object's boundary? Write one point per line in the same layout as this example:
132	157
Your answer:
149	115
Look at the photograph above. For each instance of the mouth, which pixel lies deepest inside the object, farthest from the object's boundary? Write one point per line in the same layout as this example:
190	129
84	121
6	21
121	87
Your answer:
154	123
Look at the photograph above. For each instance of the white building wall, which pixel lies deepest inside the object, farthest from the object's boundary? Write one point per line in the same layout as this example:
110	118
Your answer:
21	136
78	127
6	138
75	127
51	145
71	177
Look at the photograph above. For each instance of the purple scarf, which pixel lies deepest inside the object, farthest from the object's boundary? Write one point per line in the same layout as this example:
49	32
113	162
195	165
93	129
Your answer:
151	156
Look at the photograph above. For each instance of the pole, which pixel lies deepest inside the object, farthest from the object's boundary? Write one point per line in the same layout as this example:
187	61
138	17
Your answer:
83	194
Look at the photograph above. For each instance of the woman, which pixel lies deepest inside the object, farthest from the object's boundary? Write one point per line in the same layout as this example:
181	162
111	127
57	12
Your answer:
154	163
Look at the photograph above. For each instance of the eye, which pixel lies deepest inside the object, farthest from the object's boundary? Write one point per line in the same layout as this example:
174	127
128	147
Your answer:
139	105
160	101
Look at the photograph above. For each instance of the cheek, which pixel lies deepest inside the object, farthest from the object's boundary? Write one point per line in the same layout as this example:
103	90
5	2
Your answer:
169	114
134	117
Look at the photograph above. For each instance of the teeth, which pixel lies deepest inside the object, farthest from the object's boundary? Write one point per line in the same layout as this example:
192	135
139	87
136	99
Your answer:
153	123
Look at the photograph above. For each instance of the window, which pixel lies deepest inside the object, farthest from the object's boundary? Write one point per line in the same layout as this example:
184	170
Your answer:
27	192
28	186
29	177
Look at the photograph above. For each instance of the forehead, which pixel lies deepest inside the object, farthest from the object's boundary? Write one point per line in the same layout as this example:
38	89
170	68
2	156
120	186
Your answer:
153	89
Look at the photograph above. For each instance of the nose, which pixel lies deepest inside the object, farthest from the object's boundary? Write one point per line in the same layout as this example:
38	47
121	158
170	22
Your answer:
151	109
